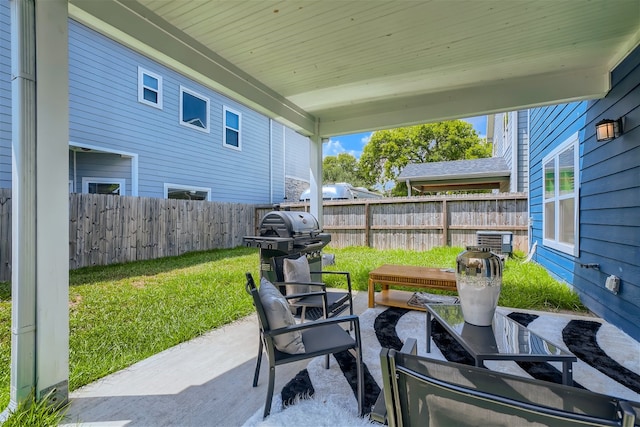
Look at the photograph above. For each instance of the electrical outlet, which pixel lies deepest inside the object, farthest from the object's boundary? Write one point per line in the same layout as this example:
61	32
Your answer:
612	284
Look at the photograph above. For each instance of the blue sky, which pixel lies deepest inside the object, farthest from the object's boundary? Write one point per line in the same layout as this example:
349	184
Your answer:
353	144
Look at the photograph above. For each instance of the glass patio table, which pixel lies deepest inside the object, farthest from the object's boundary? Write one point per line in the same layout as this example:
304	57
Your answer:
505	339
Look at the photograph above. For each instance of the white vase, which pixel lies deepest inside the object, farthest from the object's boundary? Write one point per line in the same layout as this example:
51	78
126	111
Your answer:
479	281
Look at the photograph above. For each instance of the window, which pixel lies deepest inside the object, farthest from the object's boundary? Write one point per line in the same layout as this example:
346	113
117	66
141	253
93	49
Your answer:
149	88
194	110
103	186
231	137
560	197
185	192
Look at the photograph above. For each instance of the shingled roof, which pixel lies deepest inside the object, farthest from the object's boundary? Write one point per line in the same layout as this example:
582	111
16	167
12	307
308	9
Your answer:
476	174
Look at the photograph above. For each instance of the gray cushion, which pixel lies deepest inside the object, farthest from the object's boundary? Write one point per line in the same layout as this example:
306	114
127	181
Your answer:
279	315
296	270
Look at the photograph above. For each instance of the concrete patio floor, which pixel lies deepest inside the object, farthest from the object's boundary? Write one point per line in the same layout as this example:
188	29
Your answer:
203	382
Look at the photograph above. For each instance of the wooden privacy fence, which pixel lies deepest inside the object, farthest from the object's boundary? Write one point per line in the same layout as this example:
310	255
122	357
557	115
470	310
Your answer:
105	229
421	223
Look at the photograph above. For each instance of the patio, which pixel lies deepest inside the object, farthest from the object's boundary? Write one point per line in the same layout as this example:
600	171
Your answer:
207	381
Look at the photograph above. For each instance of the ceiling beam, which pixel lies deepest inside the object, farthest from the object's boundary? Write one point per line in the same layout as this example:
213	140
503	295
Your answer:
503	95
138	28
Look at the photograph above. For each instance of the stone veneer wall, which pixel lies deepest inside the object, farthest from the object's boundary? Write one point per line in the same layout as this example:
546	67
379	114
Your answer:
293	188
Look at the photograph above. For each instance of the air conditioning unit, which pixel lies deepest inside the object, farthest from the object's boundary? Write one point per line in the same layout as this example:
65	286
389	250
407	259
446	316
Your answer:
500	242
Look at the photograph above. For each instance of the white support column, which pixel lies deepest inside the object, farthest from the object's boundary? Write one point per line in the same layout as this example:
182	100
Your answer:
40	227
315	177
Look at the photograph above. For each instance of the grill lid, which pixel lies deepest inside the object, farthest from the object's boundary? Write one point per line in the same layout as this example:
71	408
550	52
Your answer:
289	224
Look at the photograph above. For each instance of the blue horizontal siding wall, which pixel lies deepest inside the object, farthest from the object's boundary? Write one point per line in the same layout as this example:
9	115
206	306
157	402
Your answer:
609	225
105	112
5	95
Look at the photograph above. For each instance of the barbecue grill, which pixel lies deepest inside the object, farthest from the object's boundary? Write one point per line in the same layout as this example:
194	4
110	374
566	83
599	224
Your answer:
288	234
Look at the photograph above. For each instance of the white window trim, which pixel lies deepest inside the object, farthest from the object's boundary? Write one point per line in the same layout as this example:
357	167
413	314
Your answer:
141	87
224	128
168	185
99	180
553	155
197	95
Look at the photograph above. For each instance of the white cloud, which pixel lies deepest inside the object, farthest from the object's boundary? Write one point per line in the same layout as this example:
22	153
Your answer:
332	148
335	147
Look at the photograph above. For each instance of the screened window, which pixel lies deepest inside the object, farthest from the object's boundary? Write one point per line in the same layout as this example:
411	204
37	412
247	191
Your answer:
194	110
560	213
231	137
149	88
103	186
185	192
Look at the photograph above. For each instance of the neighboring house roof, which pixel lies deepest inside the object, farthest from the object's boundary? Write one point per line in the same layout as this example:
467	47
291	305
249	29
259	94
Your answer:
477	174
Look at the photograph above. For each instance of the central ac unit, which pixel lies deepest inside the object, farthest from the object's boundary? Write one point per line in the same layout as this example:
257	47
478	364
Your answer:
500	242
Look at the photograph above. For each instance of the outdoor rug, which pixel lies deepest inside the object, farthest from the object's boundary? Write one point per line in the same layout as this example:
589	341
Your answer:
608	363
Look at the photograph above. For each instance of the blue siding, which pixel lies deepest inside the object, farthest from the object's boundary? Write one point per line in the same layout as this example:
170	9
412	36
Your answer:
297	156
5	95
105	112
609	233
278	132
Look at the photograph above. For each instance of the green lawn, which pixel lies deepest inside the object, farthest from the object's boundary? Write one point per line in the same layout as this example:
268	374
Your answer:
124	313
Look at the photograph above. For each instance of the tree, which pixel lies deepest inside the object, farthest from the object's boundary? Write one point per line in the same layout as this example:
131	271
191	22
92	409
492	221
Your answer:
341	168
389	151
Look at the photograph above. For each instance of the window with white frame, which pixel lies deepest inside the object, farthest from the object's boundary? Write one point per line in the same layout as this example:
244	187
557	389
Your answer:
231	137
186	192
95	185
194	110
149	88
560	197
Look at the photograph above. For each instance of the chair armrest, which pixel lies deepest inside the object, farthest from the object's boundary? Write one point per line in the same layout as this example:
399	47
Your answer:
379	411
630	413
410	347
304	294
344	273
316	323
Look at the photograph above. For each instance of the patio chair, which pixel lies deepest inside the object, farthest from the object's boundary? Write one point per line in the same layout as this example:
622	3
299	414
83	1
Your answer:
422	391
294	277
284	341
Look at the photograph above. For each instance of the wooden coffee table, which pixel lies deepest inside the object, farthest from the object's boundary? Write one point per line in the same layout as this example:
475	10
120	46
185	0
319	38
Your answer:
408	276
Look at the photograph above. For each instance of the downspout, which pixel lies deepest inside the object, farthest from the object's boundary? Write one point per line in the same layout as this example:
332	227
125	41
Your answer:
40	202
408	188
271	161
529	218
514	154
23	223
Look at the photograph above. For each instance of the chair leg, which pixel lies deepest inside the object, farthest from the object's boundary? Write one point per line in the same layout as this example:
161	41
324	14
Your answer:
303	314
360	382
259	361
267	403
326	362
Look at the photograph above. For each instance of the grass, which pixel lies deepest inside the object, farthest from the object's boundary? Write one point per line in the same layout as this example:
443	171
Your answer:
124	313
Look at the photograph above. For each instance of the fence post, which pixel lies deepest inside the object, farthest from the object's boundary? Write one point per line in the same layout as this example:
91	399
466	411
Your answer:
367	224
445	223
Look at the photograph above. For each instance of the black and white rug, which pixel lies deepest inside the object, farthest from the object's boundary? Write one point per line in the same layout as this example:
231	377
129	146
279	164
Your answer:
608	363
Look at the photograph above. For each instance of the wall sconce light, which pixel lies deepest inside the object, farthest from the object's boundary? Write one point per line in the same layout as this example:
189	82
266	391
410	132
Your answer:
608	129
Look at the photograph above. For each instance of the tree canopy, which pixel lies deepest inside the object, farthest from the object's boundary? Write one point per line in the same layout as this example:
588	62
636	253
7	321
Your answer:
389	151
341	168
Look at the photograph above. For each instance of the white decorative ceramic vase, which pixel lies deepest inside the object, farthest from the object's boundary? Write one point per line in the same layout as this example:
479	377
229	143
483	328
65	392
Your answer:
479	280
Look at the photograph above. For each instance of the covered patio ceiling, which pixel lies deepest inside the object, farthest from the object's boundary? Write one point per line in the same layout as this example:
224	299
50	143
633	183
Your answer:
327	68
